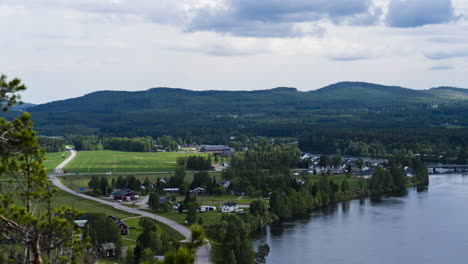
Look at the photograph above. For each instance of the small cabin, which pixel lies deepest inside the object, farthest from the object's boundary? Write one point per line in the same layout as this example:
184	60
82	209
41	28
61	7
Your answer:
107	250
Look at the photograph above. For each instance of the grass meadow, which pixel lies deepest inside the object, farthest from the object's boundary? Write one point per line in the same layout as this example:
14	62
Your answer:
118	161
54	159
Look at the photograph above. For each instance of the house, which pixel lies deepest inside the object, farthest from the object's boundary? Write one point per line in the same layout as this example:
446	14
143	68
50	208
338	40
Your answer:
217	149
125	195
198	191
107	250
409	172
124	229
229	207
224	184
171	190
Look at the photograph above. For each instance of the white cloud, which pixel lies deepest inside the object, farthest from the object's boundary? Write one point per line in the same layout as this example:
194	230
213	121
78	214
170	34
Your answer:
63	49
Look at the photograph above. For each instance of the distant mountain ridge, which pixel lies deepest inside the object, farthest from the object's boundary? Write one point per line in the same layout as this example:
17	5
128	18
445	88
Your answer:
164	110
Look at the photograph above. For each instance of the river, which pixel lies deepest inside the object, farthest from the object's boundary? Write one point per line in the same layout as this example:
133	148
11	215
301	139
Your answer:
422	226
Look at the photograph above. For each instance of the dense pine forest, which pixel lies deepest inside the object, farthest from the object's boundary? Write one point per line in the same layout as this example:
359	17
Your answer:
360	119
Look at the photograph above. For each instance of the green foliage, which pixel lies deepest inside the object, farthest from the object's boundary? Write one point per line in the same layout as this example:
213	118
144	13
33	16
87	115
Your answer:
192	211
198	237
93	142
183	256
345	186
102	230
8	92
200	179
149	238
177	180
167	142
258	206
381	181
262	253
52	144
236	243
211	116
198	163
153	201
422	175
39	229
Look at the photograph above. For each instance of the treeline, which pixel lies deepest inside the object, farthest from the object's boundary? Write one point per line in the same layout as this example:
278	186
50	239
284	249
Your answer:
264	167
52	144
196	162
178	180
100	185
437	145
93	142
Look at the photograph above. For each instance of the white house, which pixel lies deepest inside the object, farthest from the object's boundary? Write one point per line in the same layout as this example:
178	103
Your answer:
229	207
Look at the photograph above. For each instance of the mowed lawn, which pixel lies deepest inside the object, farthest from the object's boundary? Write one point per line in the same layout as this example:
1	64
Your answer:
53	159
118	161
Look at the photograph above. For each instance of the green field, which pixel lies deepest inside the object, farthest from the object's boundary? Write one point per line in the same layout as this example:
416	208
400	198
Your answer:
86	206
54	159
117	161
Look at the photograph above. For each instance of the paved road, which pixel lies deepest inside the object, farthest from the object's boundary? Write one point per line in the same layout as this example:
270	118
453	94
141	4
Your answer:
203	253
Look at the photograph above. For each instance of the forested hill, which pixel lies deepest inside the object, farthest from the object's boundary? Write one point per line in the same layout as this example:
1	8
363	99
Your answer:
280	111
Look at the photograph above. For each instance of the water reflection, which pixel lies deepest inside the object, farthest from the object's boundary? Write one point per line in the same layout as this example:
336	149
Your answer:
422	189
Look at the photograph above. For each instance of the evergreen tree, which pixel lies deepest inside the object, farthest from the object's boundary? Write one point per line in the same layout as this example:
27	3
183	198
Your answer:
104	185
153	201
39	233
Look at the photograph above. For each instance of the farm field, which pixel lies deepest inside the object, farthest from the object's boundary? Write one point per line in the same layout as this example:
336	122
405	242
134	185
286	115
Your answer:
103	161
53	159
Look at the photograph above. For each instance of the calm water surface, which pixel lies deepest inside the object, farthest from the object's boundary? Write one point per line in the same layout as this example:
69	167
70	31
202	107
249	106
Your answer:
422	226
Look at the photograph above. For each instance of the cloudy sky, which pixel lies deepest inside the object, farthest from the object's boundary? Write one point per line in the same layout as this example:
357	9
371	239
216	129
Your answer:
63	49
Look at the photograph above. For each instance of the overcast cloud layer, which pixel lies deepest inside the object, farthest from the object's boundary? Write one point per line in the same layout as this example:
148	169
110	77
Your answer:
64	49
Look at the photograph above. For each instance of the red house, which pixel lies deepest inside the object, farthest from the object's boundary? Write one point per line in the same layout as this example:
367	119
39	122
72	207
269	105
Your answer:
125	195
122	227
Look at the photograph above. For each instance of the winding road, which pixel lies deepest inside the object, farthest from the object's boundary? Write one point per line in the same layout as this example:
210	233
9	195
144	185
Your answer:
203	252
